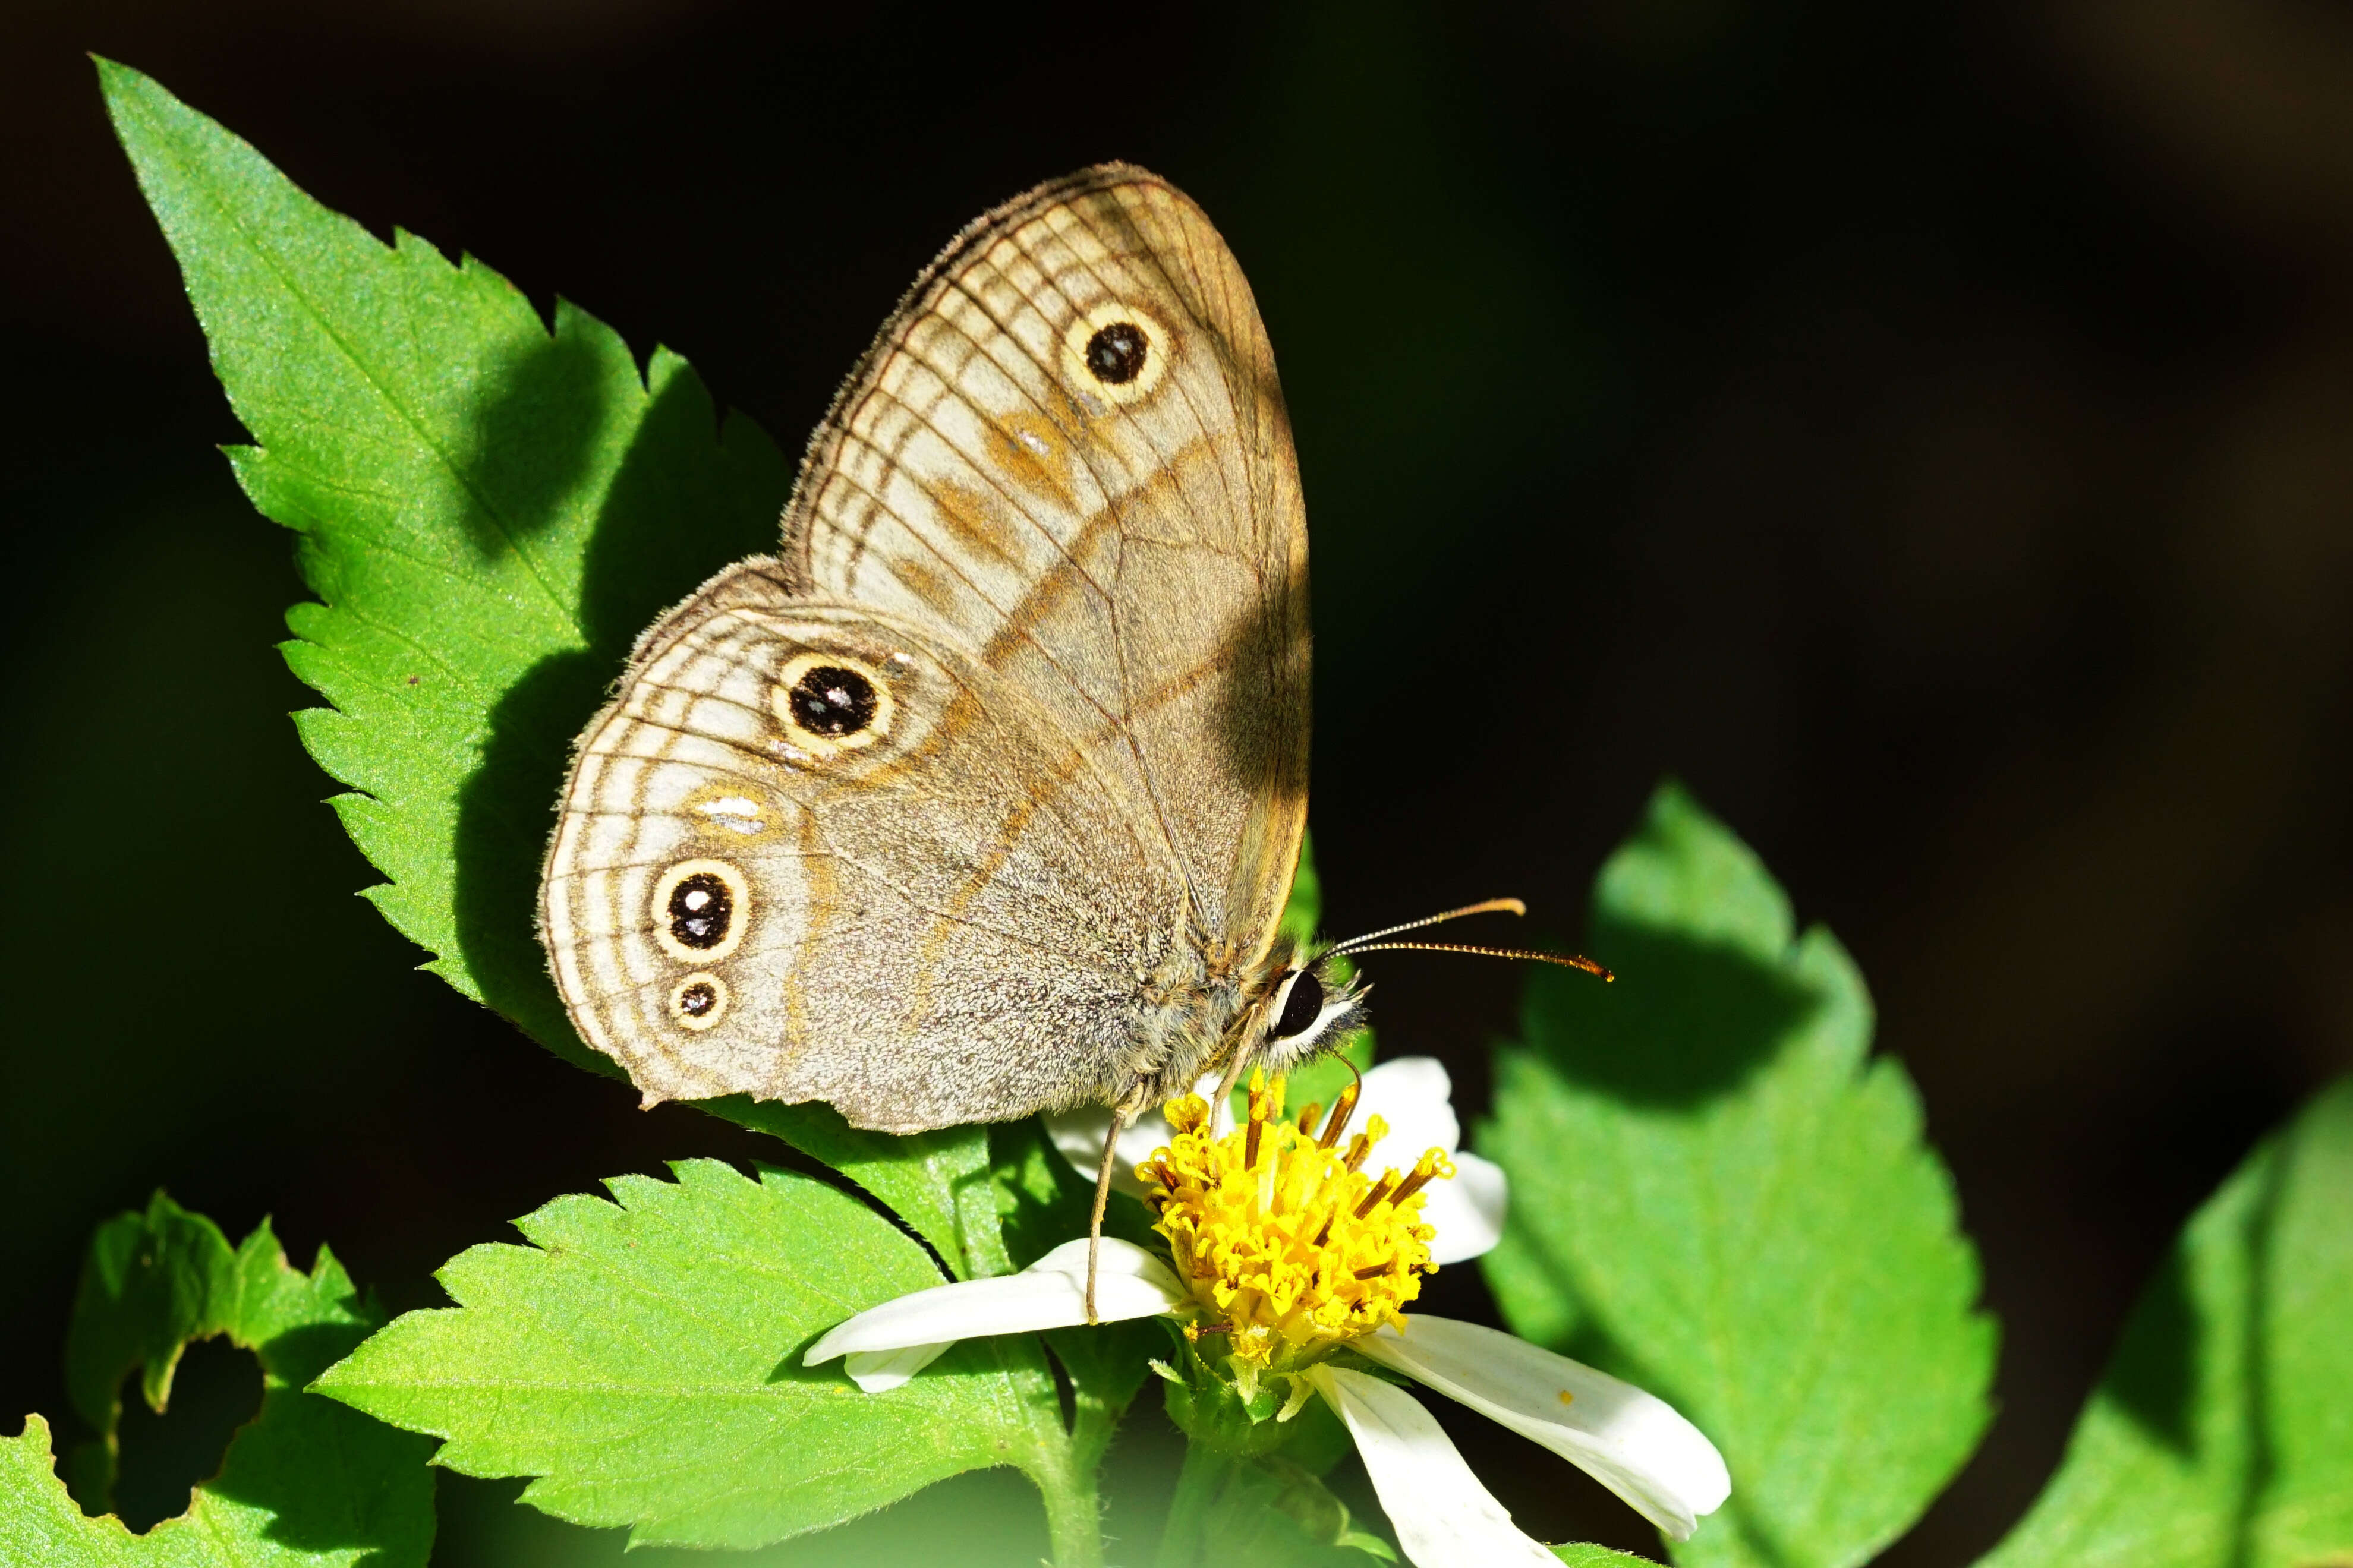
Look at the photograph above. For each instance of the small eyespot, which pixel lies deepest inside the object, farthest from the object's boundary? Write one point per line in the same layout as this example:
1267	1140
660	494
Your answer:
1115	354
698	1002
1301	1008
828	703
701	908
833	701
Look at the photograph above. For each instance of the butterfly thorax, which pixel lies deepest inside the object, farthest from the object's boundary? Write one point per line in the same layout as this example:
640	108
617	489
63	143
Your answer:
1282	1006
1201	1005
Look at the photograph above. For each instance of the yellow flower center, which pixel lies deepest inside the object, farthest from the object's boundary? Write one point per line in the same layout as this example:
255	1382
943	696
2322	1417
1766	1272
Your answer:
1287	1245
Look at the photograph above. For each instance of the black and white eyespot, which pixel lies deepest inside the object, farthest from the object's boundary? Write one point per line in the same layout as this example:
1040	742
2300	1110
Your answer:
700	910
1116	353
828	703
699	1001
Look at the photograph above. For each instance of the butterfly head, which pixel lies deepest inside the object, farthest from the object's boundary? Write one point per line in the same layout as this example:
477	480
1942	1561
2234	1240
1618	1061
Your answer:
1314	1006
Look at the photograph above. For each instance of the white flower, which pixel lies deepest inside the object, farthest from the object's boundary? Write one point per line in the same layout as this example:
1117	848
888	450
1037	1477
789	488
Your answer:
888	1344
1412	1094
1230	1201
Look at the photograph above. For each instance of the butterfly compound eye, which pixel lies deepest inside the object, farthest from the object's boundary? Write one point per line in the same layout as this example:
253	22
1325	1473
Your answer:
1301	1007
832	702
1115	354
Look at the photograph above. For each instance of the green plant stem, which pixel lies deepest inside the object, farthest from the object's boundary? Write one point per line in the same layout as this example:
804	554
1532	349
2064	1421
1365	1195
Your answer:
1198	1484
1073	1512
1092	1421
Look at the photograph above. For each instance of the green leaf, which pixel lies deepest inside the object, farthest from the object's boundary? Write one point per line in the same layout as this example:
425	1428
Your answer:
642	1360
490	514
2222	1435
1263	1511
306	1482
1585	1554
1720	1194
938	1182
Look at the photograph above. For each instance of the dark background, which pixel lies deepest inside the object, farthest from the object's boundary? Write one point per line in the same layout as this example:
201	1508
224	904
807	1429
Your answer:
1924	428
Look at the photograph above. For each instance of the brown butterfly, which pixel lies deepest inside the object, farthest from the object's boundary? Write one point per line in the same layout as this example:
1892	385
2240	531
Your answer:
984	795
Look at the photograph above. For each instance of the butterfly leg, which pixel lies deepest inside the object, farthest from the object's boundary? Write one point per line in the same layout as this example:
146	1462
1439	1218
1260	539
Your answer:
1119	1115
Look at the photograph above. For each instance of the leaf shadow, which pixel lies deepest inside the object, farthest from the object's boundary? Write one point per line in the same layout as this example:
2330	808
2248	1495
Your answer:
693	495
506	812
1686	1021
533	437
2155	1379
331	1478
2262	1458
687	498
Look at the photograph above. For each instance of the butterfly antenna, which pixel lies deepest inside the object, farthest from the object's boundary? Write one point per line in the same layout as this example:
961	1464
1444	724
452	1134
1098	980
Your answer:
1565	960
1371	940
1486	907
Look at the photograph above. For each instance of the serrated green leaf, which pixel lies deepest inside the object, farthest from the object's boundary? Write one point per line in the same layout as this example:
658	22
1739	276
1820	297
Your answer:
642	1360
1585	1554
490	511
1718	1194
2222	1435
306	1482
938	1182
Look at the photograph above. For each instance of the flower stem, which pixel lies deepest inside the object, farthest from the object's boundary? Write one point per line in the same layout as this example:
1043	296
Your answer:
1073	1513
1203	1476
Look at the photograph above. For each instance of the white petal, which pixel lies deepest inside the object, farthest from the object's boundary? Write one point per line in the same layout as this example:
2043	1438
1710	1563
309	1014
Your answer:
1049	1294
1467	1212
879	1372
1412	1094
1632	1442
1078	1135
1443	1517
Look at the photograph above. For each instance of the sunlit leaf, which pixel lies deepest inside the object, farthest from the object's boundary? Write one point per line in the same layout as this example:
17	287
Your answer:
642	1360
2222	1435
1718	1194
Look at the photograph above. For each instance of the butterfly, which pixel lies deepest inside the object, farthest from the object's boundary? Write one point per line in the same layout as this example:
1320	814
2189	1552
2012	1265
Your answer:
982	796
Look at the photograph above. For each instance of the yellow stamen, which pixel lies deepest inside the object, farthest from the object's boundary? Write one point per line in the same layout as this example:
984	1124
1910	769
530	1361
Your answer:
1342	1109
1288	1248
